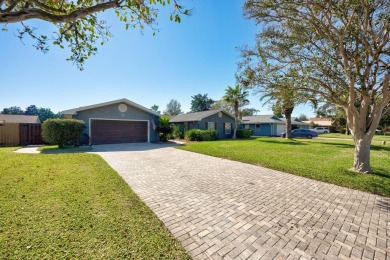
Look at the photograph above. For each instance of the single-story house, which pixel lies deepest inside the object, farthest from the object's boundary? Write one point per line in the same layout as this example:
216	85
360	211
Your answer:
269	125
322	121
118	121
19	119
219	120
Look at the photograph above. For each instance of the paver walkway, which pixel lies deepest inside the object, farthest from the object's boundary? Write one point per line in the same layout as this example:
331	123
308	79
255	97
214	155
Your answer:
33	149
221	209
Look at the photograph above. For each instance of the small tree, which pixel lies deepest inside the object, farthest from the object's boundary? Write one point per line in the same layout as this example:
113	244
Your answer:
237	97
249	111
173	108
201	102
155	108
303	117
165	128
12	111
62	132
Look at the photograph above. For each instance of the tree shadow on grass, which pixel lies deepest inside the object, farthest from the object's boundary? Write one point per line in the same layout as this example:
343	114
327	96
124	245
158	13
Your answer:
55	150
380	172
344	145
283	142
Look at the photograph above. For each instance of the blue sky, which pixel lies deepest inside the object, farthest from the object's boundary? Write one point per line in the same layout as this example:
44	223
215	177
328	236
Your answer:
199	55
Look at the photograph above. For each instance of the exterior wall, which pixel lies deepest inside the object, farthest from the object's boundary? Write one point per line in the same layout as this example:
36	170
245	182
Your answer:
280	129
270	129
264	130
220	121
112	112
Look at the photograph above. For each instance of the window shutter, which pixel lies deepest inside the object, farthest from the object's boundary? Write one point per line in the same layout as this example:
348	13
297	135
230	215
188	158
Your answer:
215	125
207	125
224	132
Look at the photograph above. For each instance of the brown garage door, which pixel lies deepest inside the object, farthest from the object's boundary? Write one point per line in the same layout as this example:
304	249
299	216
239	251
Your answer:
118	131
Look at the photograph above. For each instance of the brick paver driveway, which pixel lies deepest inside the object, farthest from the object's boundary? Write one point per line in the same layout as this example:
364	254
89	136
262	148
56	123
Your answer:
224	209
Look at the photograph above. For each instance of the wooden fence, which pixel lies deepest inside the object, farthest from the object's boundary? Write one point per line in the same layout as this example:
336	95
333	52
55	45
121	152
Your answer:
30	134
13	134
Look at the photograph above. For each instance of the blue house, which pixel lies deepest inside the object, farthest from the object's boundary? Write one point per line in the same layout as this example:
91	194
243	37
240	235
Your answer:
219	120
269	125
117	121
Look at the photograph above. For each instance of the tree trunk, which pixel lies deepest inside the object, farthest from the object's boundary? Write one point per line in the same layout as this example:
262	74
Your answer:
235	120
362	155
287	113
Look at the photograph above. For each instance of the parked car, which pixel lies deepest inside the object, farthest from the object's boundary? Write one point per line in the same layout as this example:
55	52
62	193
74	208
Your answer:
305	133
321	130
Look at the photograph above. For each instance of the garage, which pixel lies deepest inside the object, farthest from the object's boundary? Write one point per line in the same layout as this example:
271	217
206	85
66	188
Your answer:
118	131
117	121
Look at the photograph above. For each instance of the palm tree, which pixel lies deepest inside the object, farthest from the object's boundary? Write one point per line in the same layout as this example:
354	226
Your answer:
237	97
284	102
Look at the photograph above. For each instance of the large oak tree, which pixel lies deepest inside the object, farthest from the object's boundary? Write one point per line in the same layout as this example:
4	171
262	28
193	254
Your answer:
79	27
339	50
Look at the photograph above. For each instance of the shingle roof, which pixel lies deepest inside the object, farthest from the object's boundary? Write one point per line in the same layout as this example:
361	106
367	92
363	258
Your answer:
20	119
197	116
294	121
123	100
261	119
321	121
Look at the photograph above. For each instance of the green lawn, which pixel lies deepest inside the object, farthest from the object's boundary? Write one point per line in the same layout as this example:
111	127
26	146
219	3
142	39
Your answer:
320	159
74	206
344	136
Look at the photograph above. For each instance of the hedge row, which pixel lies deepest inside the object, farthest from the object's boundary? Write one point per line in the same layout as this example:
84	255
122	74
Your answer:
62	132
244	133
201	135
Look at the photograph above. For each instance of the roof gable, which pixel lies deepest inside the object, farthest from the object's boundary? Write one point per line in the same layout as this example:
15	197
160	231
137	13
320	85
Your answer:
20	119
197	116
123	100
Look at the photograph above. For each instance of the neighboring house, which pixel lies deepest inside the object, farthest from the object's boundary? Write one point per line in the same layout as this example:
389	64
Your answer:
269	125
326	121
19	119
219	120
19	130
118	121
322	121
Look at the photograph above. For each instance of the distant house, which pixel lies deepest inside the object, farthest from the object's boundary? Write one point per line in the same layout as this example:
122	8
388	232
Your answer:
319	121
219	120
269	125
19	119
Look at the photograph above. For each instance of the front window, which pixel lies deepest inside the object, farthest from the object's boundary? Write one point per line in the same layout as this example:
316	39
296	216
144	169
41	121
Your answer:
257	127
211	125
228	128
246	126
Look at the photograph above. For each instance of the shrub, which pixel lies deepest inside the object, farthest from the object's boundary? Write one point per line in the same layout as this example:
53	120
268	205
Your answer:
176	133
164	129
244	133
201	135
62	131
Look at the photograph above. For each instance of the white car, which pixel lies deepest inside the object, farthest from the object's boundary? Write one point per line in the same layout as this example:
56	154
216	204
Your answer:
321	130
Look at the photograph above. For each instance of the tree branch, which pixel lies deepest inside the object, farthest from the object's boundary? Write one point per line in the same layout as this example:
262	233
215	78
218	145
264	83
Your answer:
31	13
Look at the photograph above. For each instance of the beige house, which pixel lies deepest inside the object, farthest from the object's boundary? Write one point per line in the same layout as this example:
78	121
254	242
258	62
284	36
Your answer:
325	121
